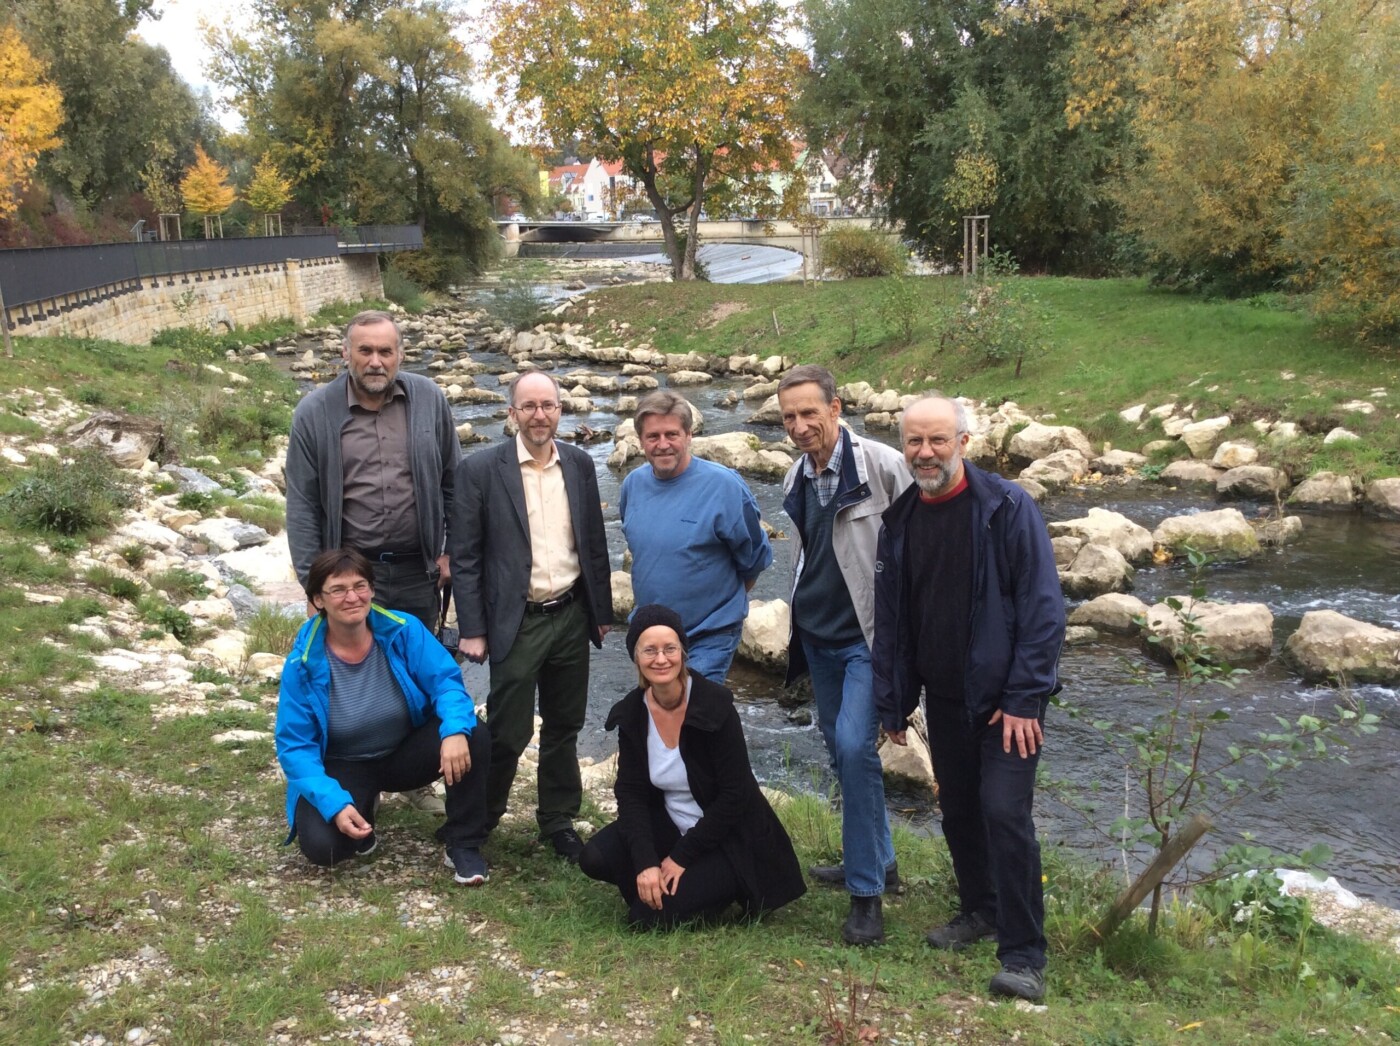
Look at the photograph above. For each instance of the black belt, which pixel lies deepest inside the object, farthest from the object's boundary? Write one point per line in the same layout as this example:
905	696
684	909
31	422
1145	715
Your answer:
549	606
384	555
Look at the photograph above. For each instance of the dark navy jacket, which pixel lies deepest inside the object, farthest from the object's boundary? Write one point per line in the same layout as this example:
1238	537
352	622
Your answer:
1018	611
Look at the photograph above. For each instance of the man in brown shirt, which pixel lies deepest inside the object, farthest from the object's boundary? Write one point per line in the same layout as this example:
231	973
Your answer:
370	465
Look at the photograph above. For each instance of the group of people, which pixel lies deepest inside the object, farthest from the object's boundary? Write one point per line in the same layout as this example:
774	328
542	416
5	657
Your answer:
914	574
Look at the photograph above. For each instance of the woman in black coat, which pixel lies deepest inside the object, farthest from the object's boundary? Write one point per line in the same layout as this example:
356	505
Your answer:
694	833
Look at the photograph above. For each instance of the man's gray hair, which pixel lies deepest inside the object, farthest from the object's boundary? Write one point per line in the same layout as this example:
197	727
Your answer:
510	389
369	318
810	372
959	411
663	403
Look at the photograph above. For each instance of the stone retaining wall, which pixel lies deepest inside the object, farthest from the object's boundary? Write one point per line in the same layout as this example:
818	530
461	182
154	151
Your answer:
221	297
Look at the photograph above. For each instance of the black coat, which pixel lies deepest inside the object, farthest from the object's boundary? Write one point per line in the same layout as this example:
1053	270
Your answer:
737	817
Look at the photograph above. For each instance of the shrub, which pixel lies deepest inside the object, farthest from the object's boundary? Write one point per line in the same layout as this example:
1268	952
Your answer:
851	252
402	290
516	304
105	579
169	618
70	497
998	321
899	307
178	583
263	512
271	630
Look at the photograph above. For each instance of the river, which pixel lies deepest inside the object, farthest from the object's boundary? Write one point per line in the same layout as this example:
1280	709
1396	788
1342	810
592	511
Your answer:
1343	562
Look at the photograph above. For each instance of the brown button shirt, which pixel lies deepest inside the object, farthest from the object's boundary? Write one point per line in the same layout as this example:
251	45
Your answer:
379	510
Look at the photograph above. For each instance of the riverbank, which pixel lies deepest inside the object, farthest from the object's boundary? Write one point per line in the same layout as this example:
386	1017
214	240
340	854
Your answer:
147	898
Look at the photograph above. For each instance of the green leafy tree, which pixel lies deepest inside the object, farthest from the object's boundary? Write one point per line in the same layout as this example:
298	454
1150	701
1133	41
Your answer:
122	101
687	94
937	96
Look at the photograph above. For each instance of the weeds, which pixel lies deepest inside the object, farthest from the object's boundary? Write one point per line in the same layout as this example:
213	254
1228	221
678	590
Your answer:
71	497
181	585
842	1023
271	631
259	510
119	586
516	303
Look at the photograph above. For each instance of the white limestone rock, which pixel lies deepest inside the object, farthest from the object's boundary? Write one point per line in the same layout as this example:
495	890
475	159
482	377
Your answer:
1114	612
1131	540
765	638
1331	646
1036	442
1202	436
1252	481
1234	453
1222	534
1323	491
1237	633
1096	569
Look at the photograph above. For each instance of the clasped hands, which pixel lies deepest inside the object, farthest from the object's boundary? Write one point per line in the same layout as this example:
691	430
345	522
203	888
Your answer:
657	882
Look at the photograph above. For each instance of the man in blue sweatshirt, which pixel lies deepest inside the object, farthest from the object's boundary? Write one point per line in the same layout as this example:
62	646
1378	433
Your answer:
693	528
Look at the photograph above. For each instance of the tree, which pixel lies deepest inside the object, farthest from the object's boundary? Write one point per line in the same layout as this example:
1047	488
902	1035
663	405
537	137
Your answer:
687	94
122	101
268	192
364	106
31	110
938	95
205	188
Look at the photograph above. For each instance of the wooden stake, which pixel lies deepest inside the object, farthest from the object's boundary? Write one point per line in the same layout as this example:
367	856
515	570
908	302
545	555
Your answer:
1168	857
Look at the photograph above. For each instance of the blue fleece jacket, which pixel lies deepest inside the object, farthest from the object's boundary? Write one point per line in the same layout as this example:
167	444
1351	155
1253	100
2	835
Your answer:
427	675
695	540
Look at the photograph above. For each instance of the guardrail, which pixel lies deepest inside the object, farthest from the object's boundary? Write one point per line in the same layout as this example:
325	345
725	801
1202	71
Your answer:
102	270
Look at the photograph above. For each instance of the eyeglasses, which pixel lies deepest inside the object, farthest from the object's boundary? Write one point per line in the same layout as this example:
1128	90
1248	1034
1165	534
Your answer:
651	653
936	442
529	408
360	588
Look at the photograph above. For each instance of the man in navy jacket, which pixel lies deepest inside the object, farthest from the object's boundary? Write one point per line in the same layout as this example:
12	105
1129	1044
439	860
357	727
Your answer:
968	609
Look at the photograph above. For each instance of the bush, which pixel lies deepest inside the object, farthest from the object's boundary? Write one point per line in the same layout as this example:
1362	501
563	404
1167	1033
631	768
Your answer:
998	320
850	252
402	290
178	583
899	307
265	512
516	304
70	497
271	630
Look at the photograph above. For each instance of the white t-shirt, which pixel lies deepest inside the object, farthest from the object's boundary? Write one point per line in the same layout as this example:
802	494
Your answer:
668	774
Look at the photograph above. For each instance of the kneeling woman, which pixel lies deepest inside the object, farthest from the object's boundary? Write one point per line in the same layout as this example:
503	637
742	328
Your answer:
370	703
694	833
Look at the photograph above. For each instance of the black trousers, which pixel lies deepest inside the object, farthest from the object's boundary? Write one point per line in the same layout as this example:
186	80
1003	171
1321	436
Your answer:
413	764
707	888
986	797
409	588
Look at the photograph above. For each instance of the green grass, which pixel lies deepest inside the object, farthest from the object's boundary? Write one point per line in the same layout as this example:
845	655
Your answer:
1113	343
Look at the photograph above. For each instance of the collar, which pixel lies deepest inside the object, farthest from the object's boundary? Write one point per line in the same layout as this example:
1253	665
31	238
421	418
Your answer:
395	391
523	455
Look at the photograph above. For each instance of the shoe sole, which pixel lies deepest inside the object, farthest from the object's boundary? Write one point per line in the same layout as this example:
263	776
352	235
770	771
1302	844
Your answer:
958	946
1006	993
470	880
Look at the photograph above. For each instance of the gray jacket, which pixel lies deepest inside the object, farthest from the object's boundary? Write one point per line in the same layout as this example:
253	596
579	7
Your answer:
873	475
315	473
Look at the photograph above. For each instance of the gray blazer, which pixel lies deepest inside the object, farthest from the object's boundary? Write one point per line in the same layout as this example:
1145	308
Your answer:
489	542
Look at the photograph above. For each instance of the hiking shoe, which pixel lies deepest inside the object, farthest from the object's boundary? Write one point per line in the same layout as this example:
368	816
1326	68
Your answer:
467	864
566	844
1019	982
963	929
866	923
367	845
835	875
427	800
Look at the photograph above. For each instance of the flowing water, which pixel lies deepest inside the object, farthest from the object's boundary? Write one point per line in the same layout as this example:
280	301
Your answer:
1343	562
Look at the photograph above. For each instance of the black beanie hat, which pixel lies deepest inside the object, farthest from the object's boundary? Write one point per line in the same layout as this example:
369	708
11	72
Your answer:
645	618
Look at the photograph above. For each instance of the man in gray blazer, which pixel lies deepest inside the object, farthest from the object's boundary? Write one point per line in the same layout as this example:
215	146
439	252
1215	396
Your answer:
531	581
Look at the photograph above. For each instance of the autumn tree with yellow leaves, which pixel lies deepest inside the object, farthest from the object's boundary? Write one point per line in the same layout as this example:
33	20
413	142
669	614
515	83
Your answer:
206	191
686	94
31	110
268	192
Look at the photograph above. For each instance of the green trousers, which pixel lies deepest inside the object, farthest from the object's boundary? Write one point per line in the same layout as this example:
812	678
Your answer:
550	654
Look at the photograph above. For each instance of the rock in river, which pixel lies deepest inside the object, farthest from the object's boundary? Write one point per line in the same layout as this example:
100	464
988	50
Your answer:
1329	645
1223	534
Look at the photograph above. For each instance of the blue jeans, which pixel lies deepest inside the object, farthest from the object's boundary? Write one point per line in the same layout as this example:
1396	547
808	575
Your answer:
842	685
711	654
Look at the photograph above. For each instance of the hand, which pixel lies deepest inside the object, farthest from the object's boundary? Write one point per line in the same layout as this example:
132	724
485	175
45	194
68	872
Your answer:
349	822
650	888
444	571
899	737
1027	733
671	874
603	631
473	648
749	584
456	758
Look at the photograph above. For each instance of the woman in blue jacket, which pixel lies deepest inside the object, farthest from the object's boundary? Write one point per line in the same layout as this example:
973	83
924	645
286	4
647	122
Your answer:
371	702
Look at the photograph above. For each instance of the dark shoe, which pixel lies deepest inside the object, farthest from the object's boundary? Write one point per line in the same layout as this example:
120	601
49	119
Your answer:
1019	982
567	844
467	864
835	875
964	929
367	845
866	923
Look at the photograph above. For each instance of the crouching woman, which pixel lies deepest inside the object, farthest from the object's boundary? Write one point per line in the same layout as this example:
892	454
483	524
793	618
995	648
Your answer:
694	833
371	702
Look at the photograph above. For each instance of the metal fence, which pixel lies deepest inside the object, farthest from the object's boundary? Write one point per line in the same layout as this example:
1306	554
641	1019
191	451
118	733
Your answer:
34	274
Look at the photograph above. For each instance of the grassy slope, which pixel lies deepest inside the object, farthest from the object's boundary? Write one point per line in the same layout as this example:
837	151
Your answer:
131	839
1114	343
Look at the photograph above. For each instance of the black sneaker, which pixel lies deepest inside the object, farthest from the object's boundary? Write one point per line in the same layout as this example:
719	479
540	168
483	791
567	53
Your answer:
835	875
963	929
367	845
467	864
1019	982
567	844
